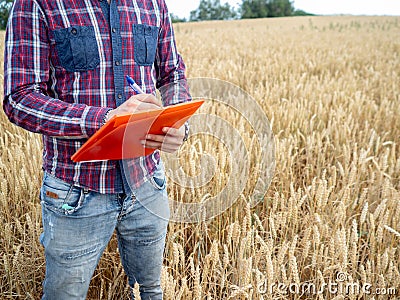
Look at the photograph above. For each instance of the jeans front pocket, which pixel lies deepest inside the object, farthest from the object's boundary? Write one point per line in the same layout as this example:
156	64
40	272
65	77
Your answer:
59	196
158	180
77	48
145	43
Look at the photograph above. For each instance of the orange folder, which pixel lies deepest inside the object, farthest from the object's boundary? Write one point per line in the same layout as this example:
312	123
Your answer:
120	137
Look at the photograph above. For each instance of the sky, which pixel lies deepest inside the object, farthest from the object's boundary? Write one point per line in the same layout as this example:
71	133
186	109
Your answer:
182	8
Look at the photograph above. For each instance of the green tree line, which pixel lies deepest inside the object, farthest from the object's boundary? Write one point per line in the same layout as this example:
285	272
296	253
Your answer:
212	10
248	9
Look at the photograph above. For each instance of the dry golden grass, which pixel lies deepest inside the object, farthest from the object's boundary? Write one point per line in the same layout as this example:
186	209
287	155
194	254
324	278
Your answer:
330	86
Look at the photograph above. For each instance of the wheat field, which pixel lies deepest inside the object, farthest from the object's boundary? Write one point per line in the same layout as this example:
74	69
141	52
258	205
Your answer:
330	87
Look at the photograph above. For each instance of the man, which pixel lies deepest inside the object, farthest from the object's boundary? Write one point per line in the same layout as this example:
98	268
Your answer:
65	64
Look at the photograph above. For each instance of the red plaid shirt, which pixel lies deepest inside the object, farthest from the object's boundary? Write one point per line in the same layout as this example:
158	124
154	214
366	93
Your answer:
65	64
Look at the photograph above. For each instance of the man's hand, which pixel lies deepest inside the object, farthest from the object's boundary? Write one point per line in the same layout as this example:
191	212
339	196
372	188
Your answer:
172	138
135	104
170	142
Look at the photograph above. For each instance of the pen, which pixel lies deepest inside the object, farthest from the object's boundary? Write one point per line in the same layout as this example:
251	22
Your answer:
134	86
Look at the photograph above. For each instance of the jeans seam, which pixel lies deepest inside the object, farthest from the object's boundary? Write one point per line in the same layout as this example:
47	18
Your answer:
81	253
149	242
124	261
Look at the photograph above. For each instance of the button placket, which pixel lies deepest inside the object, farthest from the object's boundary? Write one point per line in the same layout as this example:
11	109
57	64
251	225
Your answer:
116	43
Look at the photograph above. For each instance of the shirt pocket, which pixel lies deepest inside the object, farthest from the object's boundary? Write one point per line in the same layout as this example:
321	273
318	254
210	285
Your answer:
77	48
145	38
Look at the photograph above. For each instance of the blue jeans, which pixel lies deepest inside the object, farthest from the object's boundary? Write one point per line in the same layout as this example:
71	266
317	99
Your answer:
78	224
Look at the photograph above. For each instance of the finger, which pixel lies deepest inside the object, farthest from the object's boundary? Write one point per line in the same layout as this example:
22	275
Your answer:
170	130
160	146
165	139
148	98
133	102
146	106
135	105
151	144
178	133
154	137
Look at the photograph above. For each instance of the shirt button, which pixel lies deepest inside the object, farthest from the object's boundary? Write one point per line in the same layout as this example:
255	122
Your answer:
74	31
114	30
119	96
117	63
